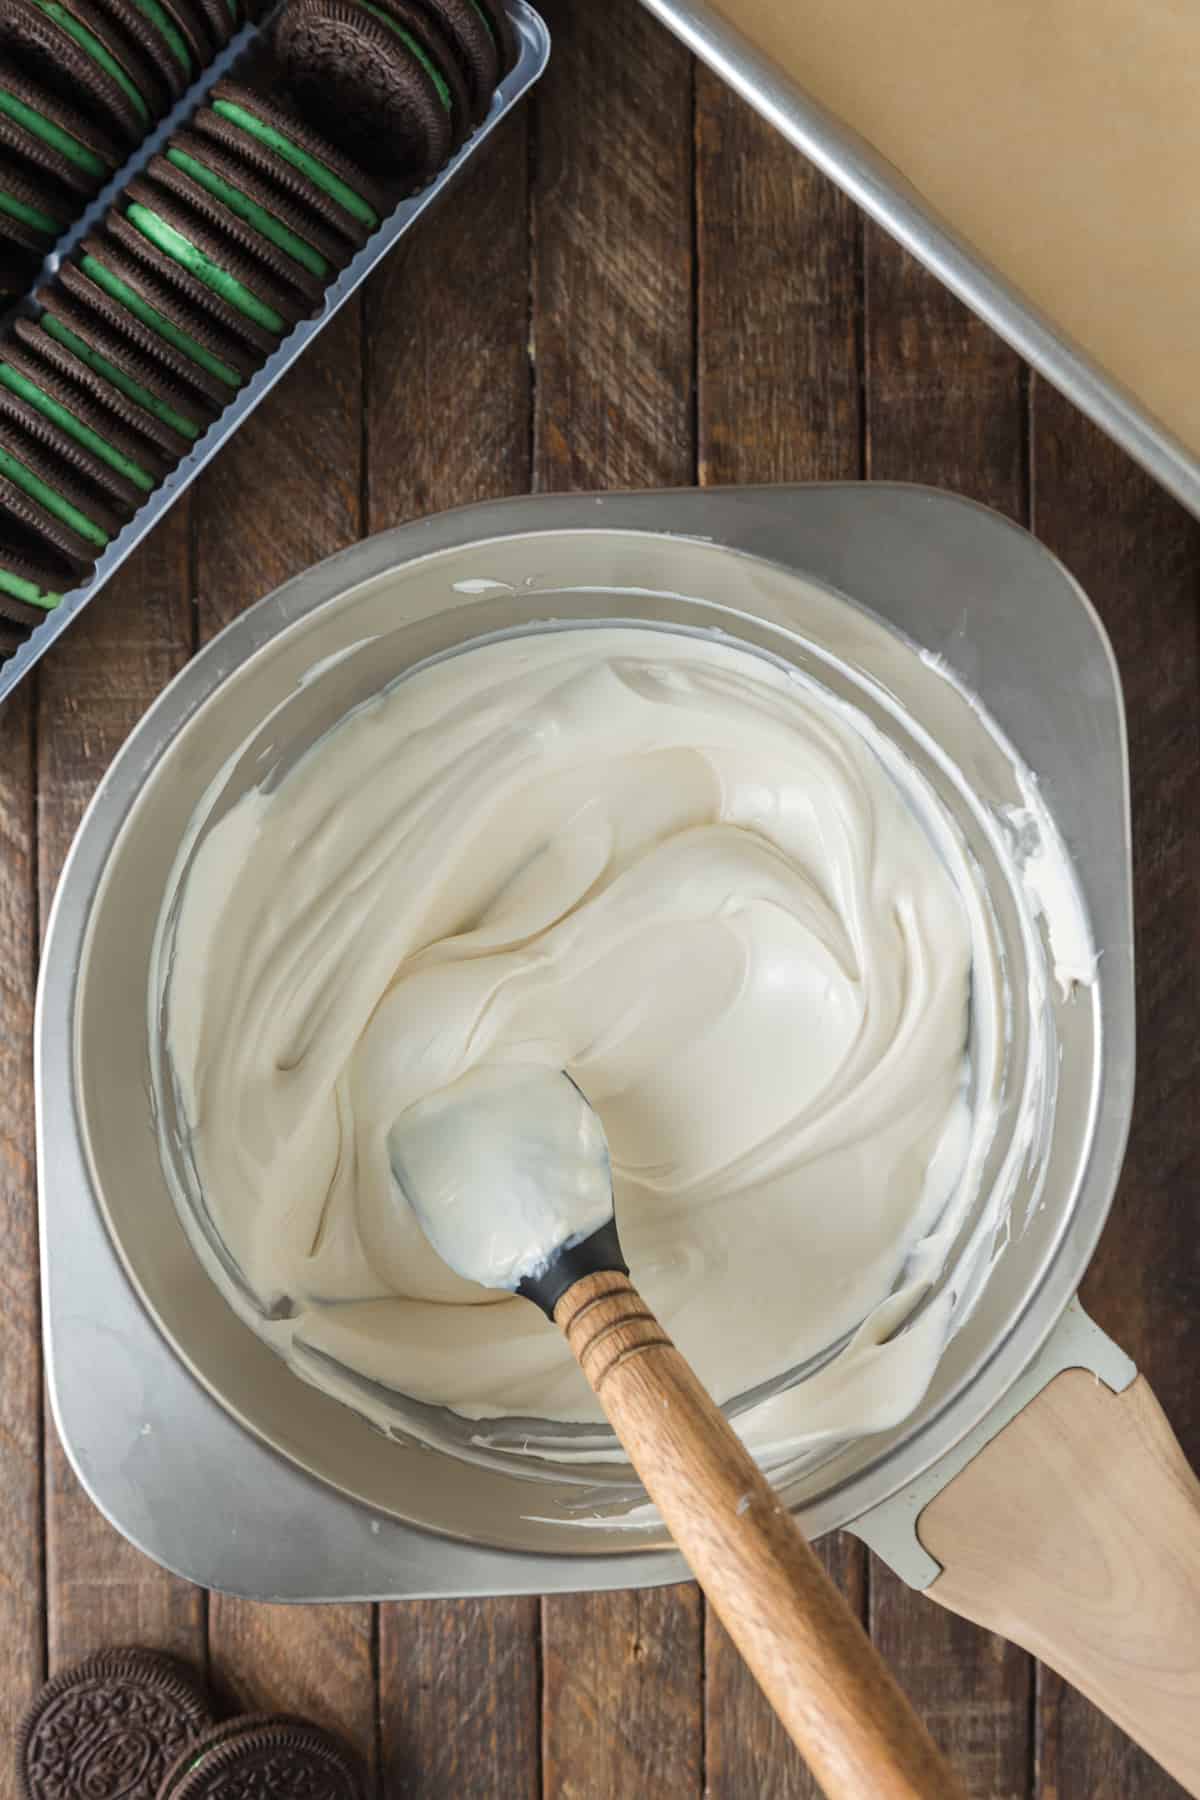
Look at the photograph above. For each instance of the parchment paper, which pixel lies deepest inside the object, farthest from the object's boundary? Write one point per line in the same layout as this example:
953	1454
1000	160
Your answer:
1061	137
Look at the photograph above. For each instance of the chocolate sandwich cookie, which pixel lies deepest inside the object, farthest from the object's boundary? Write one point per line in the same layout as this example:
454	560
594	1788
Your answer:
154	49
356	204
21	420
71	41
210	393
223	17
33	378
38	164
245	343
288	283
85	388
231	177
417	25
169	53
92	337
195	27
214	244
53	136
32	582
382	84
45	477
265	1758
469	33
138	287
504	31
112	1725
25	488
335	234
34	208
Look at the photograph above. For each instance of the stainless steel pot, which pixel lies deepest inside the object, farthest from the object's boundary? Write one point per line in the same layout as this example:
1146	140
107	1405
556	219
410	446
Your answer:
157	1386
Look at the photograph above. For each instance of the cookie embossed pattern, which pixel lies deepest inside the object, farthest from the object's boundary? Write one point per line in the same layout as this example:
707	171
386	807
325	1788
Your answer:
264	1757
115	1724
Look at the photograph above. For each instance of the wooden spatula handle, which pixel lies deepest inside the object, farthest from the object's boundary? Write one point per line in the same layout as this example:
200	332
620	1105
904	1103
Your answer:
1076	1533
809	1654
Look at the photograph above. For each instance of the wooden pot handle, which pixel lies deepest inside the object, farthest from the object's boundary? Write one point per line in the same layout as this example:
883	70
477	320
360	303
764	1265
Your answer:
1076	1533
815	1663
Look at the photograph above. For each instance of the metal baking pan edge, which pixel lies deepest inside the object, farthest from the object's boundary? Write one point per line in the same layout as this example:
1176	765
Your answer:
534	39
892	201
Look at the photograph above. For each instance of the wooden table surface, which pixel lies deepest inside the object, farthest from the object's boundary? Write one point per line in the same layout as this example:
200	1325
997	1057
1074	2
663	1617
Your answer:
638	286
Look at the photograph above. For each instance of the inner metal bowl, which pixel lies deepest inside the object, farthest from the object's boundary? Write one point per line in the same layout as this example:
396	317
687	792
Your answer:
270	694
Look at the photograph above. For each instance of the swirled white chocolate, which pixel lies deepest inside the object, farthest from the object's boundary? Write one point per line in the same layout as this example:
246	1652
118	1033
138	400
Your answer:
671	868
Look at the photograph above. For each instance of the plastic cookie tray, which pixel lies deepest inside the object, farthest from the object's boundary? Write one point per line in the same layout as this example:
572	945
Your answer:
534	43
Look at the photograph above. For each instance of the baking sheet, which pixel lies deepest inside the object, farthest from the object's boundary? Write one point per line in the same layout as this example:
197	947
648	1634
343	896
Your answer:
534	41
1037	155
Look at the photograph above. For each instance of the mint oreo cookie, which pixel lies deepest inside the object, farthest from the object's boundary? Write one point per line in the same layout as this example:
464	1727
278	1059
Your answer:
71	40
379	80
32	582
21	420
34	208
72	405
113	400
53	136
295	156
91	326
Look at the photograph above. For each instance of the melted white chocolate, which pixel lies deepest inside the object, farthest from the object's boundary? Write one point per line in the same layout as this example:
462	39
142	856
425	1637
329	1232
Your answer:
671	868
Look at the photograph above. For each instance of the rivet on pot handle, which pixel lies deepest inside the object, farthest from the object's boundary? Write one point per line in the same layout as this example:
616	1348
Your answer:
1072	1526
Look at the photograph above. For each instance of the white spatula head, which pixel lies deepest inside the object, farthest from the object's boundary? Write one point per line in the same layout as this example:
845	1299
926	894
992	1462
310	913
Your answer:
505	1170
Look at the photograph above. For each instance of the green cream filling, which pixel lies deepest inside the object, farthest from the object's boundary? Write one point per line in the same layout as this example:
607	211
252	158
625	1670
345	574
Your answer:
50	498
317	171
95	49
83	434
28	215
272	228
167	29
421	54
28	591
190	257
133	390
52	134
150	315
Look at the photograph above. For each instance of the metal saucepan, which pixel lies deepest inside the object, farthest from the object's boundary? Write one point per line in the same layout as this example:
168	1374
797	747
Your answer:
139	1337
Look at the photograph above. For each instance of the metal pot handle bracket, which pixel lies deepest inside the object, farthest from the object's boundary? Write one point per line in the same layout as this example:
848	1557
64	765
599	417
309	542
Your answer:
1069	1521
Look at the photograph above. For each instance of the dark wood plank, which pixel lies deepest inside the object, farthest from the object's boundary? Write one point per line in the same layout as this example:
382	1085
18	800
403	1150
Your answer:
459	1699
287	490
778	399
447	348
622	1712
1138	556
944	395
252	533
778	306
613	407
447	422
317	1661
944	404
612	276
93	688
22	1630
